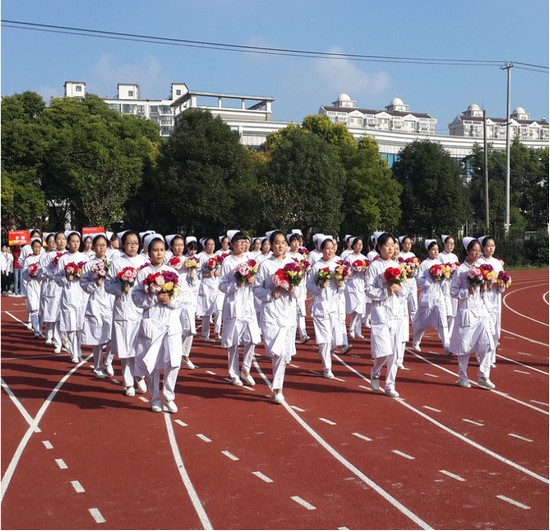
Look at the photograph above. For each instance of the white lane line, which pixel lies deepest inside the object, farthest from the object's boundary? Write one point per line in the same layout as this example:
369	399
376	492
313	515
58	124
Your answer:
403	454
451	475
539	402
203	438
314	372
77	486
499	393
339	379
516	436
522	353
6	479
97	516
366	388
430	374
16	318
513	502
181	423
518	313
303	503
474	422
48	445
355	356
329	422
143	399
463	438
294	365
521	372
230	455
211	372
364	437
523	365
350	466
296	408
263	477
432	409
61	464
114	380
192	493
250	388
18	405
523	337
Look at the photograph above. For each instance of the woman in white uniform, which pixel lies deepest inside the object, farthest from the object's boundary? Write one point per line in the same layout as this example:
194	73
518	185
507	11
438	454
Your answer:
159	346
239	322
33	282
473	331
432	309
98	316
449	257
209	301
294	240
412	297
278	312
73	297
126	315
329	332
355	288
386	315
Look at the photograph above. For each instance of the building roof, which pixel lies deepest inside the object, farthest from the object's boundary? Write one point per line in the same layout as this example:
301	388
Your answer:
371	111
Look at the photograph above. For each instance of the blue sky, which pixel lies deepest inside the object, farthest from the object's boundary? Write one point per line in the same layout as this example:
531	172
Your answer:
496	30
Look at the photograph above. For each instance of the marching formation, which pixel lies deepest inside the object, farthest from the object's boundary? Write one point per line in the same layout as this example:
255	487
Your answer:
140	297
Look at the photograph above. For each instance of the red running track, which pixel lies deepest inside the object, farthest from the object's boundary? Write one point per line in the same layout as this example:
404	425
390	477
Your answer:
78	454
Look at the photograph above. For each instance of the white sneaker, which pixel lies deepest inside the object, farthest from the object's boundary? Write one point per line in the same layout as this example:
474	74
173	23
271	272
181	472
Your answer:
346	349
57	349
141	385
218	337
98	373
375	383
351	335
130	391
49	342
29	326
206	339
170	406
464	383
236	381
109	370
75	360
416	347
189	364
248	379
278	398
304	339
328	374
36	335
156	409
485	383
400	366
493	365
392	393
360	336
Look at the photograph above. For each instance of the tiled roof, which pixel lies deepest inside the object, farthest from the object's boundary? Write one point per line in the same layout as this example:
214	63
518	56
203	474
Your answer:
371	111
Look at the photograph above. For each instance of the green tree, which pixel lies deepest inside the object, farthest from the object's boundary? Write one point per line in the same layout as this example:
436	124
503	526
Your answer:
434	199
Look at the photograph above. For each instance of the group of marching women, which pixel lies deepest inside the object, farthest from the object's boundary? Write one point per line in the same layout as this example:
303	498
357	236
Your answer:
137	296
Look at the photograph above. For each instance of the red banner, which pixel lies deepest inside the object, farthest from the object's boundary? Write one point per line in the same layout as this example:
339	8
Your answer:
92	230
19	237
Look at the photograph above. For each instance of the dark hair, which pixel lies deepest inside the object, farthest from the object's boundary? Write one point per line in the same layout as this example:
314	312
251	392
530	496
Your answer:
356	240
96	238
294	236
447	238
383	238
156	239
325	241
58	233
73	232
51	235
192	246
129	233
114	237
176	237
35	231
485	241
273	234
471	244
238	236
432	244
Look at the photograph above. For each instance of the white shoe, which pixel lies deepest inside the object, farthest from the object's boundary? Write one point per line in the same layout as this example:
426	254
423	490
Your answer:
328	374
156	409
392	393
304	339
36	335
57	349
141	385
206	339
75	360
170	406
416	347
346	349
351	335
360	336
189	364
49	342
464	383
235	380
278	398
98	373
375	383
29	326
248	379
130	391
109	370
485	383
448	352
400	366
493	365
218	337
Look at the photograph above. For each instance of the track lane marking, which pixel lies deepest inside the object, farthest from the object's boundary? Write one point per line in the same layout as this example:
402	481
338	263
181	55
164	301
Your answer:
96	515
296	408
79	489
430	408
403	454
451	475
521	438
181	423
327	421
48	445
263	477
18	405
456	434
347	464
513	502
203	438
61	464
523	364
360	436
303	503
475	422
519	313
230	455
539	402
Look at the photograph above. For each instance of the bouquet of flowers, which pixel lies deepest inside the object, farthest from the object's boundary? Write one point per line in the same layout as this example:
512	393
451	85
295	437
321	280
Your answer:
293	274
453	266
324	275
161	282
99	269
303	251
280	280
245	272
221	257
342	272
394	275
410	265
504	280
56	258
440	272
475	276
490	276
305	264
73	269
127	277
176	262
191	263
359	266
33	270
212	264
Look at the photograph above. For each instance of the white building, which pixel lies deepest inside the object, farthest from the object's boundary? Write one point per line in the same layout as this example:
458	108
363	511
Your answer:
470	124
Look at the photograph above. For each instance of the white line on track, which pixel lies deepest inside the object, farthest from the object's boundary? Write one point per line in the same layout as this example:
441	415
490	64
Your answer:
432	375
456	434
296	408
545	298
539	402
523	353
327	421
230	455
521	372
516	436
523	337
263	477
403	454
48	445
181	423
8	474
203	438
61	464
513	502
211	372
523	364
143	399
303	503
499	393
16	318
364	437
78	488
474	422
451	475
518	313
18	405
293	365
350	466
97	516
192	493
435	410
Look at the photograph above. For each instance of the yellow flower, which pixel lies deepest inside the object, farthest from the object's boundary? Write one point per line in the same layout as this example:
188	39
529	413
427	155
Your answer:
169	286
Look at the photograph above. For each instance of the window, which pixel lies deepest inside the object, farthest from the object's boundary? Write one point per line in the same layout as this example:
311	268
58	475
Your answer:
130	93
78	88
178	92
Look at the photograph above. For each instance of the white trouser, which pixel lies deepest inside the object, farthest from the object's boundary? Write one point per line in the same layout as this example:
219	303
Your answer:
205	325
391	370
74	343
49	329
450	324
279	366
233	359
35	321
168	385
127	366
483	371
188	342
355	321
442	331
326	350
301	325
98	355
